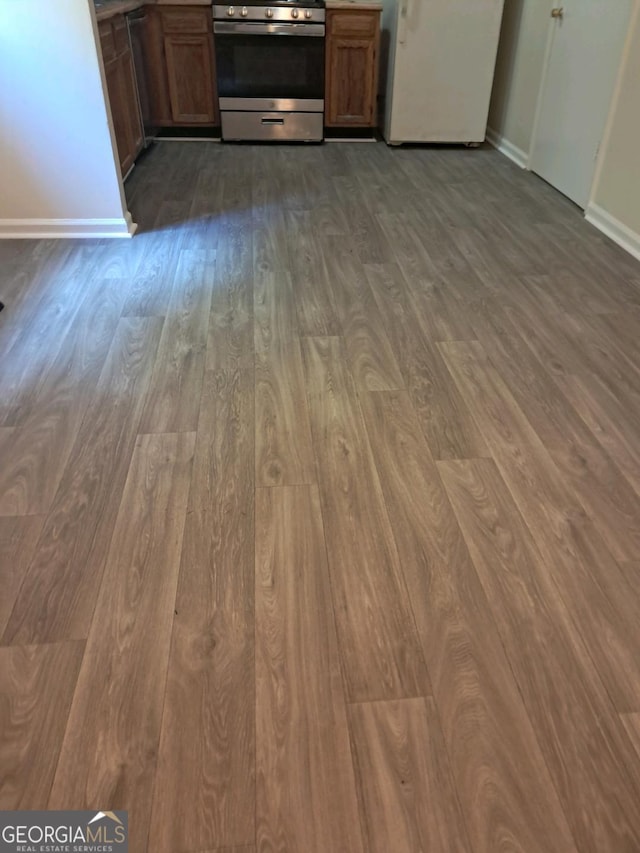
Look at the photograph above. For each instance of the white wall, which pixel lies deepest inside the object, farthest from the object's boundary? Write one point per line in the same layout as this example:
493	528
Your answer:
615	201
519	67
58	170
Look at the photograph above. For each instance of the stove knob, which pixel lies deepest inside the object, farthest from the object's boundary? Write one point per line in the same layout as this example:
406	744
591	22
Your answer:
308	13
244	12
231	11
269	13
294	13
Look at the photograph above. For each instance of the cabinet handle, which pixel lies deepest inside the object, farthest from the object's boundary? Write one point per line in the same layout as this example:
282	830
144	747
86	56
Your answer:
272	121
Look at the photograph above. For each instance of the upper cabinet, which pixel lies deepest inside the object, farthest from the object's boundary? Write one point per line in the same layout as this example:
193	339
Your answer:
180	46
121	86
352	56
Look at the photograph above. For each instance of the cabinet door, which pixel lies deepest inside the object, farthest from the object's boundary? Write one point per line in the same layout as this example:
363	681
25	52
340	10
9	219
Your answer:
123	99
121	87
191	78
118	104
351	81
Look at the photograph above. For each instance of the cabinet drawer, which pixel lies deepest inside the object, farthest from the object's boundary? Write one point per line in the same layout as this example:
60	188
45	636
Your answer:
186	21
356	24
107	41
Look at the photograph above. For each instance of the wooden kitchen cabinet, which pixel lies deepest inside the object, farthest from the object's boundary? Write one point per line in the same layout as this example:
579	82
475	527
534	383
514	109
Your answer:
121	87
183	83
351	67
190	76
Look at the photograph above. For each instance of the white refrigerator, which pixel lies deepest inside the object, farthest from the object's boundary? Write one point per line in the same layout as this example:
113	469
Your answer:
440	61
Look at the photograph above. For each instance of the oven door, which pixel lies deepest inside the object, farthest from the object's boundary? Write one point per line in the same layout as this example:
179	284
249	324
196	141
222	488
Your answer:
275	66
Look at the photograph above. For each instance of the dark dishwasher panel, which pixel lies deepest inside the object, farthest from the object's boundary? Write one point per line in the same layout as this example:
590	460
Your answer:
136	22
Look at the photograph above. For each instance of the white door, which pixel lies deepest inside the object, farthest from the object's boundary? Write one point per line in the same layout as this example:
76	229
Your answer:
443	54
586	43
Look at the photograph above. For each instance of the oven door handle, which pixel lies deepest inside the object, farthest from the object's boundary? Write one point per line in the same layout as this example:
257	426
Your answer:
260	29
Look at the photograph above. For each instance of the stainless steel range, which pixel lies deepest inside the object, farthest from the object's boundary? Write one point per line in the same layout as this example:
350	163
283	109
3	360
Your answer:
270	69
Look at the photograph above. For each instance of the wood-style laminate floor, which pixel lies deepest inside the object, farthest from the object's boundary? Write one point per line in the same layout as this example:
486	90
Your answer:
320	510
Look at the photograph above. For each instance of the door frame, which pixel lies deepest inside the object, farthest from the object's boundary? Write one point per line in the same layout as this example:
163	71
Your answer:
551	33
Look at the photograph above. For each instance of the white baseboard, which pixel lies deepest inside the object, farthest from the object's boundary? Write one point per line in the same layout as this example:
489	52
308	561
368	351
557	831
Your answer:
48	229
517	155
613	228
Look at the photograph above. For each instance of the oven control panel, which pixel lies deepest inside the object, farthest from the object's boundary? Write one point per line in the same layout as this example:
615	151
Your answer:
276	14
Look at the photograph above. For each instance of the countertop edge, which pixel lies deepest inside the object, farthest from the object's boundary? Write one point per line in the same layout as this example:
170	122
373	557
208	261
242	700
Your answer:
368	5
121	7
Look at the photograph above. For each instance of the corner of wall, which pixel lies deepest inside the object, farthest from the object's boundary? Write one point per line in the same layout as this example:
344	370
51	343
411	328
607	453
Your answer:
49	229
517	155
614	229
614	204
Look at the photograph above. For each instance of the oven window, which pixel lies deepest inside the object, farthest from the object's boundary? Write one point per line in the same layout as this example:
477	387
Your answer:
270	66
